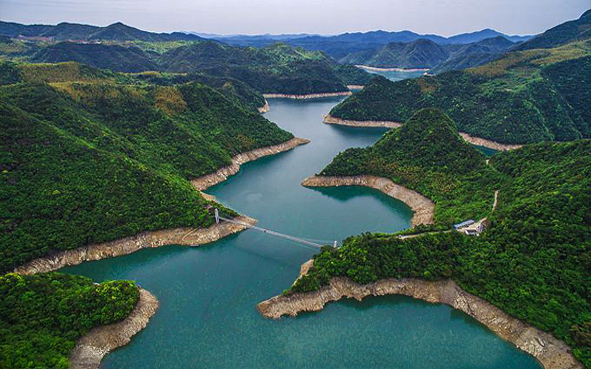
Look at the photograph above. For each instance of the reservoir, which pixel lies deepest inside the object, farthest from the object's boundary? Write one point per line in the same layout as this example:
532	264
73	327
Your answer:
208	295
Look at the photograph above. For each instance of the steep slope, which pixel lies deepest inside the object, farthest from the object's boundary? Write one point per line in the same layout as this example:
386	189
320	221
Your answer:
421	53
93	161
427	155
564	33
533	261
114	57
511	100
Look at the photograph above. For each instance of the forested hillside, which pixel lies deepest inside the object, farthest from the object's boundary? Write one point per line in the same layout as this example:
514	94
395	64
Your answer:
114	57
278	68
427	54
427	155
42	316
86	159
533	261
526	96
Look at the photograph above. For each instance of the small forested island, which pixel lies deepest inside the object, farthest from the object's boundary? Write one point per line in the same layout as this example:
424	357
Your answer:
533	258
525	96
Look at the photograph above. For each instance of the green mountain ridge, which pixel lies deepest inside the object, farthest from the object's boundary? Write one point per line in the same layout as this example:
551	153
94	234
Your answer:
427	155
526	96
90	160
114	57
278	68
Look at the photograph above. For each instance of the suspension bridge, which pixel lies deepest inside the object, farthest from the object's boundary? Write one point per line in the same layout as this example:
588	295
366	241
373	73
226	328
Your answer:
304	241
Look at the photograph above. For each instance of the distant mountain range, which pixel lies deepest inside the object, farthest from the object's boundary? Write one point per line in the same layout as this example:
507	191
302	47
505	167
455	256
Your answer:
538	90
404	49
341	45
72	31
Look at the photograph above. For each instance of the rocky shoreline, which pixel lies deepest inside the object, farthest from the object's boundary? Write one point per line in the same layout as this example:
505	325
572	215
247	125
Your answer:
306	96
176	236
265	108
355	87
488	143
423	208
96	344
549	351
329	119
222	174
378	69
128	245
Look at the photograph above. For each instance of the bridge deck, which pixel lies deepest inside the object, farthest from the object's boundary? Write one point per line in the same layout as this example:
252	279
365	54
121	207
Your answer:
273	233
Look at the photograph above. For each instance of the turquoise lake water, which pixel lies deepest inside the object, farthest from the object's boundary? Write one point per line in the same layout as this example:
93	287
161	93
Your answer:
207	316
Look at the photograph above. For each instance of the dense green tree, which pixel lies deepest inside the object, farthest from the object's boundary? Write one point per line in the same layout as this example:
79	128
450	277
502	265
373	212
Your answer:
42	316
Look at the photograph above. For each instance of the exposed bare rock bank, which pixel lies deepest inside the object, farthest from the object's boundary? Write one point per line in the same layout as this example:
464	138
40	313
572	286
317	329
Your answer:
423	208
306	96
551	352
92	347
265	108
329	119
488	143
378	69
355	87
222	174
128	245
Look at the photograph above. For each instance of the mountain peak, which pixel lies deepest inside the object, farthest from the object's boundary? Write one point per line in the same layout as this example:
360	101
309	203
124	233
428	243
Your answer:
430	140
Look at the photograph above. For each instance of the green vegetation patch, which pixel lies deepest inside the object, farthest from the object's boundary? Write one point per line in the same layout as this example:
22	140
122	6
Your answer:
42	316
427	155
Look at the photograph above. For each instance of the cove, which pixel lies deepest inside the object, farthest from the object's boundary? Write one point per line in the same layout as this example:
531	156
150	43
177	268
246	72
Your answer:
207	316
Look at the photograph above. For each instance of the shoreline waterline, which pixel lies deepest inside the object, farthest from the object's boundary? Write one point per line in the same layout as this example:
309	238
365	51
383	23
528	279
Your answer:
307	96
551	352
96	344
392	69
329	119
186	236
223	173
423	208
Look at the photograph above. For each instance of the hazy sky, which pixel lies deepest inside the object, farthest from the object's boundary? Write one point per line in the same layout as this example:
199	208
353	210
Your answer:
445	17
